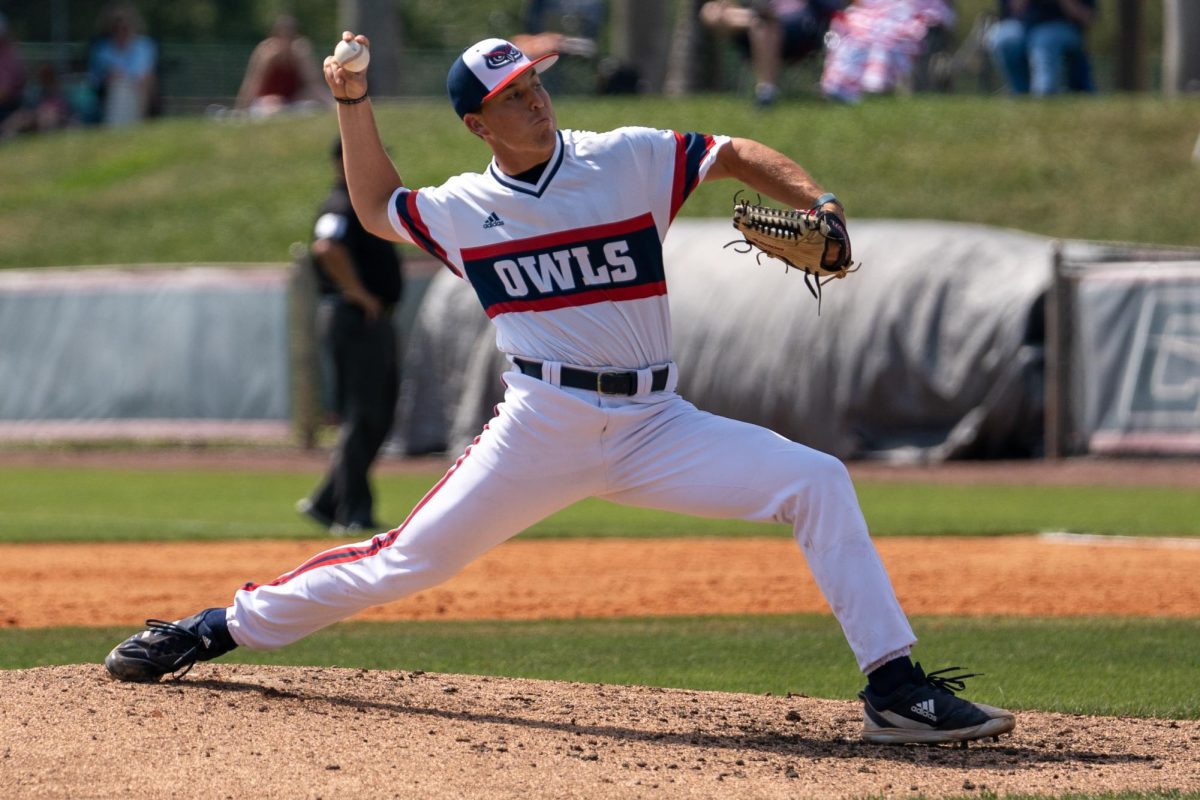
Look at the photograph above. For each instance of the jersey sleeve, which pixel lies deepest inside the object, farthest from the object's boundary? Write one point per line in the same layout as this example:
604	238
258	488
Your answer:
678	163
420	220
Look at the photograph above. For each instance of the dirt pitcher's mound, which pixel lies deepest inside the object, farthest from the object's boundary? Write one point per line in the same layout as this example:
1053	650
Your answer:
243	731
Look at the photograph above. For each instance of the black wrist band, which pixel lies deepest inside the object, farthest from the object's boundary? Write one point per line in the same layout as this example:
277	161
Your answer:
347	102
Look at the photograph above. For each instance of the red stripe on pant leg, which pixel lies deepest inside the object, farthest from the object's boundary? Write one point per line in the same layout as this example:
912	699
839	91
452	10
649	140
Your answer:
345	555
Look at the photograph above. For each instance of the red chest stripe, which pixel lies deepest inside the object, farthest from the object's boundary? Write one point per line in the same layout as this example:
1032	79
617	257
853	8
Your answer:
580	299
559	239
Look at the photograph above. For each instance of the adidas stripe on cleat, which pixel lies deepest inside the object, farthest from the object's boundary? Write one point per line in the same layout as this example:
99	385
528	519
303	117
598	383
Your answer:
926	711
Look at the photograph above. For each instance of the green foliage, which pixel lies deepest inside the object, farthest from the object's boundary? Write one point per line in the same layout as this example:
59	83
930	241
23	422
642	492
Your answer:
86	504
194	190
437	24
1077	666
193	21
427	25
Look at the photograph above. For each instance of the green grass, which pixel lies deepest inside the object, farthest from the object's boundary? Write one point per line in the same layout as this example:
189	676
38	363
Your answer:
87	504
1128	667
192	190
917	508
1169	794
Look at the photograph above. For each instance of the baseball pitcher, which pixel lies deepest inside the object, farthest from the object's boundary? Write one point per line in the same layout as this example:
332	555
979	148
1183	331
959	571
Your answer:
560	236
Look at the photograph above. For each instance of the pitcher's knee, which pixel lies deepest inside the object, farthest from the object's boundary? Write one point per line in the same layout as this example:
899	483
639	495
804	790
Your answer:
821	495
825	476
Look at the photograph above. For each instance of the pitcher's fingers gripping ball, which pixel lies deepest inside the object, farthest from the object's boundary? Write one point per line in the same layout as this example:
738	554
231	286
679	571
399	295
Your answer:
352	55
814	241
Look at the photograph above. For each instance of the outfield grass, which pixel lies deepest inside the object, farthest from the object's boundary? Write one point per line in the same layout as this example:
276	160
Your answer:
87	504
1127	667
193	190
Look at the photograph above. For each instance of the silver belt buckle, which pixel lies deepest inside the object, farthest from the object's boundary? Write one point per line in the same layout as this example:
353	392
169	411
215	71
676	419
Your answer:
600	382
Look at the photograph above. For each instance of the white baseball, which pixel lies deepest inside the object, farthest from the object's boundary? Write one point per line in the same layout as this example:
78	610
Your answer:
351	55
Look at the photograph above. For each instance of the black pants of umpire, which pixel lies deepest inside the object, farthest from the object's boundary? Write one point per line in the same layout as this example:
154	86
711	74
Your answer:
366	381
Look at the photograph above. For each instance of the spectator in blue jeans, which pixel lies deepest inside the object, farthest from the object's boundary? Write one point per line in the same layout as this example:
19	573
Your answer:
1038	45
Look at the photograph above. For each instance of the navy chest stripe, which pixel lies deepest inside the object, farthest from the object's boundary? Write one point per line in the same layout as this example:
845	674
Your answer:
617	261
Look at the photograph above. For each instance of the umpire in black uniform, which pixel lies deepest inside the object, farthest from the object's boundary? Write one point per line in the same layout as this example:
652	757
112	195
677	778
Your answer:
359	276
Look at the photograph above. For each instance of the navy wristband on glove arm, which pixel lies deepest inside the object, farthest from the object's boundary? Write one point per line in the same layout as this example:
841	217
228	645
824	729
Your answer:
828	197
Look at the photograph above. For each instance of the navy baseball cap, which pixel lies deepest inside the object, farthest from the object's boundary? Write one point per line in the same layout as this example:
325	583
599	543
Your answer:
484	69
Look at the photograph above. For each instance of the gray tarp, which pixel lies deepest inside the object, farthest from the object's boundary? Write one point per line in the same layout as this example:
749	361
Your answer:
924	353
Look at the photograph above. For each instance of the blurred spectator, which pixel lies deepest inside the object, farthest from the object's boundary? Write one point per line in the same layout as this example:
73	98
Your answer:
46	107
536	45
772	32
122	67
282	74
564	26
361	282
1038	45
580	19
570	28
873	45
12	73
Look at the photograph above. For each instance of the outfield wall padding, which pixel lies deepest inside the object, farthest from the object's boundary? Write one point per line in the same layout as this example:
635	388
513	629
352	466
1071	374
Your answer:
166	344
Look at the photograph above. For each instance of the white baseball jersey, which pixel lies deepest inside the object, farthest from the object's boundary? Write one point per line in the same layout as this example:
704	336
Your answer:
566	271
570	270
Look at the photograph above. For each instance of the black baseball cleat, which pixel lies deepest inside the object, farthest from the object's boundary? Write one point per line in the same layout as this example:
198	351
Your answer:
925	711
170	647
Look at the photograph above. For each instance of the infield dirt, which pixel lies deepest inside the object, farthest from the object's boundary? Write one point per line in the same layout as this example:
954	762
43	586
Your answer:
234	730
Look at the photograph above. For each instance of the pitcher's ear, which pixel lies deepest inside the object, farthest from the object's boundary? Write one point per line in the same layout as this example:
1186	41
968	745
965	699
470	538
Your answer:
475	125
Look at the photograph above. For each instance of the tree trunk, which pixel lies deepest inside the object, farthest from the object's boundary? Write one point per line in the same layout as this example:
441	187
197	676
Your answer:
378	21
682	60
1181	46
637	31
1131	74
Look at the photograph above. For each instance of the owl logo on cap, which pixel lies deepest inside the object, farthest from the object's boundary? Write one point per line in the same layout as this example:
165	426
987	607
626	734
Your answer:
504	54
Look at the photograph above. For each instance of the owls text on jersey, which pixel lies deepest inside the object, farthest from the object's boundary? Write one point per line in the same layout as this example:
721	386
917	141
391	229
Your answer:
569	269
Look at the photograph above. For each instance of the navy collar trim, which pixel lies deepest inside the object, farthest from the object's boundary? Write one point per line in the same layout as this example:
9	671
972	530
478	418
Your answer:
535	190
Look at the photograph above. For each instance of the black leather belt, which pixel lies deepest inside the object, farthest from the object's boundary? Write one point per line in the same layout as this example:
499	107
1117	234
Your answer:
603	382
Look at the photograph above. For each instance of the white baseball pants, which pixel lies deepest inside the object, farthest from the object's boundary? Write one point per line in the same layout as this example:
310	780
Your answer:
547	448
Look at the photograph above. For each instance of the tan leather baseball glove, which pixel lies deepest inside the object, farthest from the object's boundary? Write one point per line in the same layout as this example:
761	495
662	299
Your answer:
813	241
